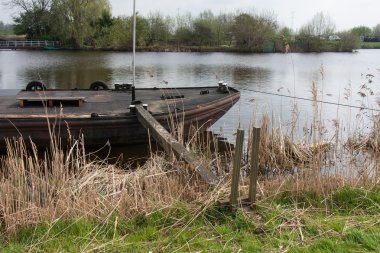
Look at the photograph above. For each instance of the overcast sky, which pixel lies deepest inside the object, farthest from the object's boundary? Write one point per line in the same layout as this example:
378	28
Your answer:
292	13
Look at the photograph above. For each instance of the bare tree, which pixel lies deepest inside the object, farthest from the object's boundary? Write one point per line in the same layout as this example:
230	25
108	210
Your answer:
376	30
28	5
312	35
320	26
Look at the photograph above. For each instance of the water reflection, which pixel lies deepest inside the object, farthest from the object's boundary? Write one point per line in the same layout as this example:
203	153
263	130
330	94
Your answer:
246	76
78	72
282	74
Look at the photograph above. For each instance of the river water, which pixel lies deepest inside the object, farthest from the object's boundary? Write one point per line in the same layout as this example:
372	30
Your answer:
284	76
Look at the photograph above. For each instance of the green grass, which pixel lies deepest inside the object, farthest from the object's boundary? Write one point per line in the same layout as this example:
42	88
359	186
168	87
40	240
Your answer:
6	32
345	221
370	45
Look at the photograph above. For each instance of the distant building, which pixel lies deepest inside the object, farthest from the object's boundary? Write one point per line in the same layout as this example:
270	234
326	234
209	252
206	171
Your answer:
370	38
334	37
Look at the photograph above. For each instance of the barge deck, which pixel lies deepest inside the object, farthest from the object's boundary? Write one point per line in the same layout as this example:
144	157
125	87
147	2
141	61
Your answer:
104	115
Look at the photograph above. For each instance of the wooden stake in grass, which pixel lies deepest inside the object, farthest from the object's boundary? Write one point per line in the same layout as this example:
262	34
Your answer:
237	164
254	165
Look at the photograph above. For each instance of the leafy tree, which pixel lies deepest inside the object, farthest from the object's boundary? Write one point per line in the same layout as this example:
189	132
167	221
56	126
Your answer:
348	42
34	18
120	34
203	33
361	31
105	20
158	28
285	35
142	30
71	21
34	23
252	32
223	29
243	30
102	26
74	19
117	36
283	38
81	23
204	29
184	30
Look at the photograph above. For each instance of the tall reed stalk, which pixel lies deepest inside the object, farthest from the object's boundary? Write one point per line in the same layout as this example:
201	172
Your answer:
321	158
45	186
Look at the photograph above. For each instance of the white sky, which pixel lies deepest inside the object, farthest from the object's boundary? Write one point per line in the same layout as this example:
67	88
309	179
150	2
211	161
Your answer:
292	13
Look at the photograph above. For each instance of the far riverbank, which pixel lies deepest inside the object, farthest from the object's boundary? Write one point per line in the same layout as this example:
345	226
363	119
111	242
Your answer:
329	46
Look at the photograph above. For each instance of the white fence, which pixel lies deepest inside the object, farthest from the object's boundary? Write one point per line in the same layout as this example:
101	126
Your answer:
29	44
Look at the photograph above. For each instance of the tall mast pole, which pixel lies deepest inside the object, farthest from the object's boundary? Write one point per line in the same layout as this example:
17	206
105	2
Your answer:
134	51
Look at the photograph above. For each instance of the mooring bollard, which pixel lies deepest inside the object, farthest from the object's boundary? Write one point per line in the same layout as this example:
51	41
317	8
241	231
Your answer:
254	165
132	109
236	167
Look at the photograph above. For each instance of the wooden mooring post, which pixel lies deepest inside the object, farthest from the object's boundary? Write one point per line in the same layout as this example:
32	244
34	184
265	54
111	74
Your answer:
245	201
254	166
171	145
236	167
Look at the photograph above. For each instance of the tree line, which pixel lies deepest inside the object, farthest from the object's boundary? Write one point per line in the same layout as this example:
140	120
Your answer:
82	24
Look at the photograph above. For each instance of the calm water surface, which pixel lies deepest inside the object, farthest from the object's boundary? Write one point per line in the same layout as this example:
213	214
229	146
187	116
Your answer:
335	75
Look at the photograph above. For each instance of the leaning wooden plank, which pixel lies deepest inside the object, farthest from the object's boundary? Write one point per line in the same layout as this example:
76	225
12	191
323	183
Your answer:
171	145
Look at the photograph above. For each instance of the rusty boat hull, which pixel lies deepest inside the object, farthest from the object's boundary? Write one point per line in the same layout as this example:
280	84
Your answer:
104	116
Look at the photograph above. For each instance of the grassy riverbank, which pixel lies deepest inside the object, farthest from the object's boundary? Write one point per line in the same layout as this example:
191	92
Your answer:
370	45
317	191
69	203
326	46
346	220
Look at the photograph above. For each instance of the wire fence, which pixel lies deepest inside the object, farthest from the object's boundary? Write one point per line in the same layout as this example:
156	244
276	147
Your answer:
312	100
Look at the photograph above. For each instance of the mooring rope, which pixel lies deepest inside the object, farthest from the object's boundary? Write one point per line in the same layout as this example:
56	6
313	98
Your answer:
312	100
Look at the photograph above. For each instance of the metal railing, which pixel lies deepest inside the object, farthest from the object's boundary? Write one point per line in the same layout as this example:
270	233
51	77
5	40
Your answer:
29	44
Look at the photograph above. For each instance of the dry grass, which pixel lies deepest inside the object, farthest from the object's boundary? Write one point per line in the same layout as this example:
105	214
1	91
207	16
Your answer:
280	154
37	187
67	184
61	184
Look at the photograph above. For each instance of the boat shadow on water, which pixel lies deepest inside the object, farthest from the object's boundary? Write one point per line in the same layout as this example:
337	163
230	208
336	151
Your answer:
133	156
124	156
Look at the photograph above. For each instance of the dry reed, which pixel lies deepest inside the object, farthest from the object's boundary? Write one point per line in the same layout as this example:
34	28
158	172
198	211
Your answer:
321	159
37	187
67	184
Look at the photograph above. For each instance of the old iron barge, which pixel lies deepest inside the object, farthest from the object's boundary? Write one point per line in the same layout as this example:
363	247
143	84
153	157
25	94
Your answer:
103	115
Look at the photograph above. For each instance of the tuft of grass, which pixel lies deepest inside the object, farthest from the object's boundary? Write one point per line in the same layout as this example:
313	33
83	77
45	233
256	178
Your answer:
274	227
347	199
351	199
